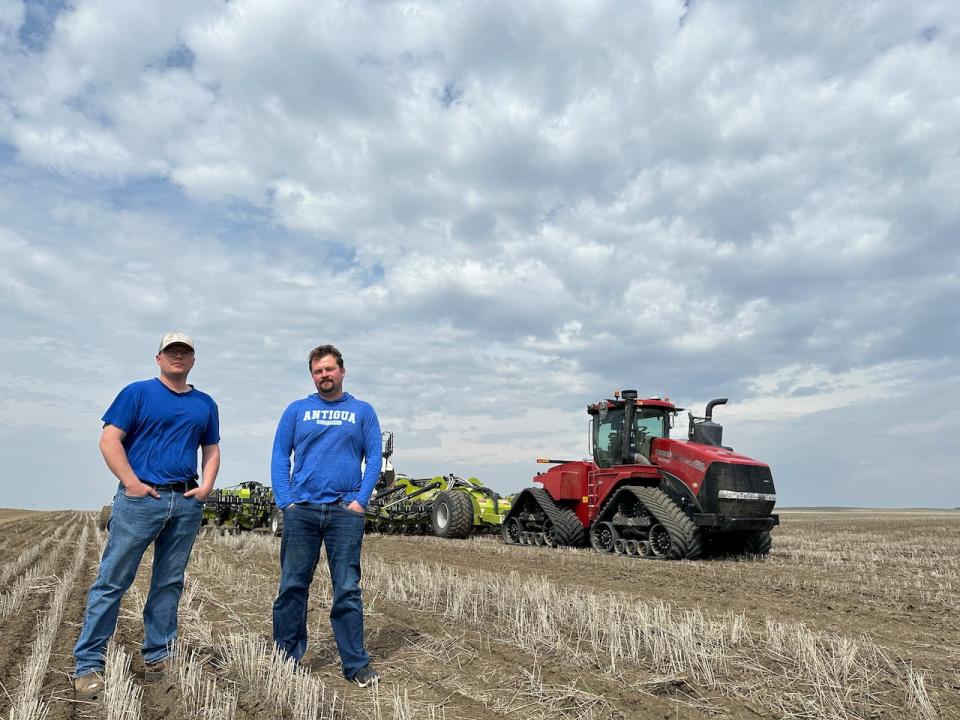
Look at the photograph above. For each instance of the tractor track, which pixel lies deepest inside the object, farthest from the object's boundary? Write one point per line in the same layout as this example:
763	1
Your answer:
683	532
565	529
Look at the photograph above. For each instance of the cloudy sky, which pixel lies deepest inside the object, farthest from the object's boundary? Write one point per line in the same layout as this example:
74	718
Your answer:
500	212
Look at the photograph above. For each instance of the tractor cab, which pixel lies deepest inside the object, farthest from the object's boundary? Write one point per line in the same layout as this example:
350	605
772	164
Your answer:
622	429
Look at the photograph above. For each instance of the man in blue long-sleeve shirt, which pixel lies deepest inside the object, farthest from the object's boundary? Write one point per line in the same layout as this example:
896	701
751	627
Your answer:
329	433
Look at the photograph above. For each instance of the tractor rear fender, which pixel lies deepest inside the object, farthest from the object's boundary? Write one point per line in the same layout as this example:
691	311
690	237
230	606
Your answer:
520	502
674	488
616	496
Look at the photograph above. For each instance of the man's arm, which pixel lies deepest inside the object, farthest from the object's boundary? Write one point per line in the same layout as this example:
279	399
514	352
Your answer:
373	457
280	461
115	455
209	467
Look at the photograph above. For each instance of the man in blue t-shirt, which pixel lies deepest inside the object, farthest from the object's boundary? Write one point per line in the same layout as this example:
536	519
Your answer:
150	438
330	434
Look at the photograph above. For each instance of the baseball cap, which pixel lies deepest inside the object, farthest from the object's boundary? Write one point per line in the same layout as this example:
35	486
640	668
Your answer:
172	338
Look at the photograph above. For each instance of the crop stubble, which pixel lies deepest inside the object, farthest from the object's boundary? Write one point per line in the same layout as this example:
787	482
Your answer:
852	615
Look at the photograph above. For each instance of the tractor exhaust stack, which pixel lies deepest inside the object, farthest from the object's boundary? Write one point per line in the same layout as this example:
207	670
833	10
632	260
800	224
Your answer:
704	430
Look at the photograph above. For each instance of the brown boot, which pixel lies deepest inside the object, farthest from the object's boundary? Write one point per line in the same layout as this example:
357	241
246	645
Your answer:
155	671
88	687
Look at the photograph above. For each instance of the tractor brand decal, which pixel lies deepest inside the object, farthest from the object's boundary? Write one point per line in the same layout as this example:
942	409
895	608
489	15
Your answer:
668	456
738	495
330	417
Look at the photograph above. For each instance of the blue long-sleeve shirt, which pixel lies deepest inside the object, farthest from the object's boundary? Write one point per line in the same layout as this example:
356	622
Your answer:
328	441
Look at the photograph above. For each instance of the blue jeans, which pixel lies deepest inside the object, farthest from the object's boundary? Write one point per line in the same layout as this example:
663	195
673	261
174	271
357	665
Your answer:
171	523
305	528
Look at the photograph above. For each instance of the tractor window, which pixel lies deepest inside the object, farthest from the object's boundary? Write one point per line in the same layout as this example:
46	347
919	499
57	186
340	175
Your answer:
647	425
653	421
607	439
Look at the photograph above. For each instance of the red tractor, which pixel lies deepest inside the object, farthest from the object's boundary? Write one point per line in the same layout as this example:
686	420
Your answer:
646	494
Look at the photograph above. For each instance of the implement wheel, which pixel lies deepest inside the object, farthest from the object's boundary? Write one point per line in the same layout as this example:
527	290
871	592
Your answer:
276	522
223	514
452	515
104	520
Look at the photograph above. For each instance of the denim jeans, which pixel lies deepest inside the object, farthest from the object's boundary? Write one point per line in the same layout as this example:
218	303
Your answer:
171	523
305	528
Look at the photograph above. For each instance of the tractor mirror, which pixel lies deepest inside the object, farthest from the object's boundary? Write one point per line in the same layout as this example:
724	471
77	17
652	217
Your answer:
387	440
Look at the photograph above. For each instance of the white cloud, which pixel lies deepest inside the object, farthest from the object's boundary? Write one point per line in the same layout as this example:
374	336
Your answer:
500	210
12	14
799	391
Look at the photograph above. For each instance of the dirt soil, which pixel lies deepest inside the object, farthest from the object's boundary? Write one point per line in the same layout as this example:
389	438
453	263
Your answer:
9	515
889	581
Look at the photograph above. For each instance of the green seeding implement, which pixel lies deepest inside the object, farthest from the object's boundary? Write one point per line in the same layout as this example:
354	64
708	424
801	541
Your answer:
446	506
247	506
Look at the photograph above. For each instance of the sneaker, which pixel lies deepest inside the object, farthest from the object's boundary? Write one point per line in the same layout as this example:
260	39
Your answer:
366	676
88	687
156	670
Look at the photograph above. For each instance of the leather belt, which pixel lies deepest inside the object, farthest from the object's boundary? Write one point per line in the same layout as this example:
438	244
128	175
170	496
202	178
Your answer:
181	486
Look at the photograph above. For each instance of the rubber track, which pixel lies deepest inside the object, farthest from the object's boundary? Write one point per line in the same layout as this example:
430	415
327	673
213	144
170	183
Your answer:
566	524
683	533
757	543
460	518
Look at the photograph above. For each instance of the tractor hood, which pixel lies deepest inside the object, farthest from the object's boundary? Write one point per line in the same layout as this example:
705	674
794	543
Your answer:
694	455
723	481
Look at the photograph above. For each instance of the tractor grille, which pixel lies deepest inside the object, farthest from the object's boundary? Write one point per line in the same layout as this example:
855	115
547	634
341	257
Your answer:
738	491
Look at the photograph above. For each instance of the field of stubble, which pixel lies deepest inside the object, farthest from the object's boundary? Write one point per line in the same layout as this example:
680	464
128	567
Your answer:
853	615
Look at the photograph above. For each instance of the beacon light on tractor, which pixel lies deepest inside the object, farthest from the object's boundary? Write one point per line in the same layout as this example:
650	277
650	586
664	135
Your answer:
646	494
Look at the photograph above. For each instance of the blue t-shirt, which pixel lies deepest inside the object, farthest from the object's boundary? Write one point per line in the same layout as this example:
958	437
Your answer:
164	429
328	441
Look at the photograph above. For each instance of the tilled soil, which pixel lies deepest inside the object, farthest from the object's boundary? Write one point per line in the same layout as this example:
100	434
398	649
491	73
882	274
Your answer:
888	581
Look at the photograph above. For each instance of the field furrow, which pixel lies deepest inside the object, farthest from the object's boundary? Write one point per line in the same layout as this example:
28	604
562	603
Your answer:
56	686
27	600
28	702
851	616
